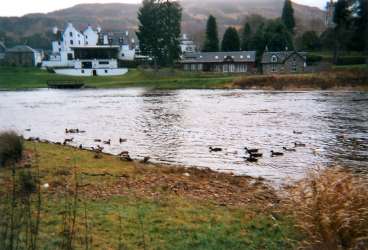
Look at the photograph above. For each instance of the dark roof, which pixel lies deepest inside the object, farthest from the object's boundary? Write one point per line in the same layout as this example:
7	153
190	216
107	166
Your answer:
282	56
203	57
21	49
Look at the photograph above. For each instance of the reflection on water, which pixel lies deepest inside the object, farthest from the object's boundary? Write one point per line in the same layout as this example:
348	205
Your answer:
179	126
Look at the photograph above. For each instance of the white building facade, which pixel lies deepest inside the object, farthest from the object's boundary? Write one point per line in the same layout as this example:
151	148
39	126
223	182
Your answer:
87	53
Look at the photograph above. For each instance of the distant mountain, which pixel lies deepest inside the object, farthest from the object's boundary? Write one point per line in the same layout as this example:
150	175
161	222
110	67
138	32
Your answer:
118	17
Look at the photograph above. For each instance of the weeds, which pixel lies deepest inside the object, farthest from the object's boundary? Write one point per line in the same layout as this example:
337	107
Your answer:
331	209
11	148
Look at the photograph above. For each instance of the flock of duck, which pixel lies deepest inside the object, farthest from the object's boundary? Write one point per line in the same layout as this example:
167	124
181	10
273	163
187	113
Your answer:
254	154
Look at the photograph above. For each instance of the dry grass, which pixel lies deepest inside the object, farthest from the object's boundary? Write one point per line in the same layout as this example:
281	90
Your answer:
331	209
11	147
335	79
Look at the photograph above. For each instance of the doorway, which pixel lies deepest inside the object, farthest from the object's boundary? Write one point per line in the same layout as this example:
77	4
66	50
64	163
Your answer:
94	72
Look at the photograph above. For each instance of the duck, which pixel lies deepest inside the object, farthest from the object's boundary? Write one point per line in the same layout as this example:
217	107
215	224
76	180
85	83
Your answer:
108	142
251	150
299	144
251	159
146	159
256	155
212	149
80	146
289	149
97	140
273	153
122	140
68	140
297	132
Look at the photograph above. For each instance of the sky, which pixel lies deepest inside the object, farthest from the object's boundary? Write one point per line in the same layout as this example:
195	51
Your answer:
21	7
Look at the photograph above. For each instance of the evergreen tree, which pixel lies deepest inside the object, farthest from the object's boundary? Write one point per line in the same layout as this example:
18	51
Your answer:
277	37
211	43
288	16
246	37
171	13
159	30
342	19
230	41
361	29
309	41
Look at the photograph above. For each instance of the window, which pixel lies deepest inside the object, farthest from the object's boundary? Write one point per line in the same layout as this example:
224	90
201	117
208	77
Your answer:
274	59
86	42
70	56
106	71
86	37
82	71
103	62
71	42
59	50
71	34
79	42
293	67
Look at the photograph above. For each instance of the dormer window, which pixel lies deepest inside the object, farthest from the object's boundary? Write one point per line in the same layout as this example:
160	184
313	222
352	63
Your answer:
241	57
274	59
71	34
248	56
216	57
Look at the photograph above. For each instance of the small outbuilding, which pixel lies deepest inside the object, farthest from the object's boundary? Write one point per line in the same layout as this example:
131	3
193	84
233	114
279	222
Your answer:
23	55
283	62
222	62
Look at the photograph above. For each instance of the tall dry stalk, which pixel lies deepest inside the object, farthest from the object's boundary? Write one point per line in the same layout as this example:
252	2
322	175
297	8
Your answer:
331	210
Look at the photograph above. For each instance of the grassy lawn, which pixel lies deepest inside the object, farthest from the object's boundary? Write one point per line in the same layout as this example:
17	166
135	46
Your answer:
145	206
23	78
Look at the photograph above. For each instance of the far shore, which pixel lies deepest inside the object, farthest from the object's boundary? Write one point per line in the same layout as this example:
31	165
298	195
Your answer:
352	78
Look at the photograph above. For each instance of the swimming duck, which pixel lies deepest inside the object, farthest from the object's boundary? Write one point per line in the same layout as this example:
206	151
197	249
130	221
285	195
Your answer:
97	140
299	144
256	155
289	149
251	159
212	149
108	142
273	153
297	132
251	150
122	140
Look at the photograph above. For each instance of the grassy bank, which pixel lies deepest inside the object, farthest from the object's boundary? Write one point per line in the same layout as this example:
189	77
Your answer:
143	206
24	78
339	77
60	197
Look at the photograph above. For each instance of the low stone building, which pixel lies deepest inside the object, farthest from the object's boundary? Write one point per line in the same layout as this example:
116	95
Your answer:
222	62
283	62
23	55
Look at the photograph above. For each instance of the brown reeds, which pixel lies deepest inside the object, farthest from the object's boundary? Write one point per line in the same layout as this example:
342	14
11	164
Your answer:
331	210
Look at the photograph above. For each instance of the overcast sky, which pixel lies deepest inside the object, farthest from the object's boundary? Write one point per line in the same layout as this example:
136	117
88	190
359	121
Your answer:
21	7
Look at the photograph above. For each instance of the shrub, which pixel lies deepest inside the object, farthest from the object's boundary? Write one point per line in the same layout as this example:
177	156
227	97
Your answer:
27	183
351	60
11	147
313	59
331	209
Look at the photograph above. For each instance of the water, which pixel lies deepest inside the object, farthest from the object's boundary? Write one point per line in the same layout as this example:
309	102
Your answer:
177	127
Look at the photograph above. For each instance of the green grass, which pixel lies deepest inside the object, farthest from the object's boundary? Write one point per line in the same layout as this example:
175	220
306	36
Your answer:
24	78
169	220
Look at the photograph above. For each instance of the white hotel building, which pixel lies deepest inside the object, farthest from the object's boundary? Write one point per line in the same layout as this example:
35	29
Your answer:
89	53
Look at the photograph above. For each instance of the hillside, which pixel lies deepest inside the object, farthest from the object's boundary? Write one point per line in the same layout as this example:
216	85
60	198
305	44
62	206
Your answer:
114	17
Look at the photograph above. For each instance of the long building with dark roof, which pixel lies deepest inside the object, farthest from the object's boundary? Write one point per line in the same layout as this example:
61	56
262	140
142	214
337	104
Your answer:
223	62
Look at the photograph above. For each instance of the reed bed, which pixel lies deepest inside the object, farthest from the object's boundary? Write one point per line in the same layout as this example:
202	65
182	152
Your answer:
331	210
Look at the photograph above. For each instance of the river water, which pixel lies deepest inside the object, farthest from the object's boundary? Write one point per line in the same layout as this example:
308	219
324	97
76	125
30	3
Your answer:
178	126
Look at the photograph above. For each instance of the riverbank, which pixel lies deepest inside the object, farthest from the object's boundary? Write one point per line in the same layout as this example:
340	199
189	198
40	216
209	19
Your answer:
338	78
89	202
159	207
